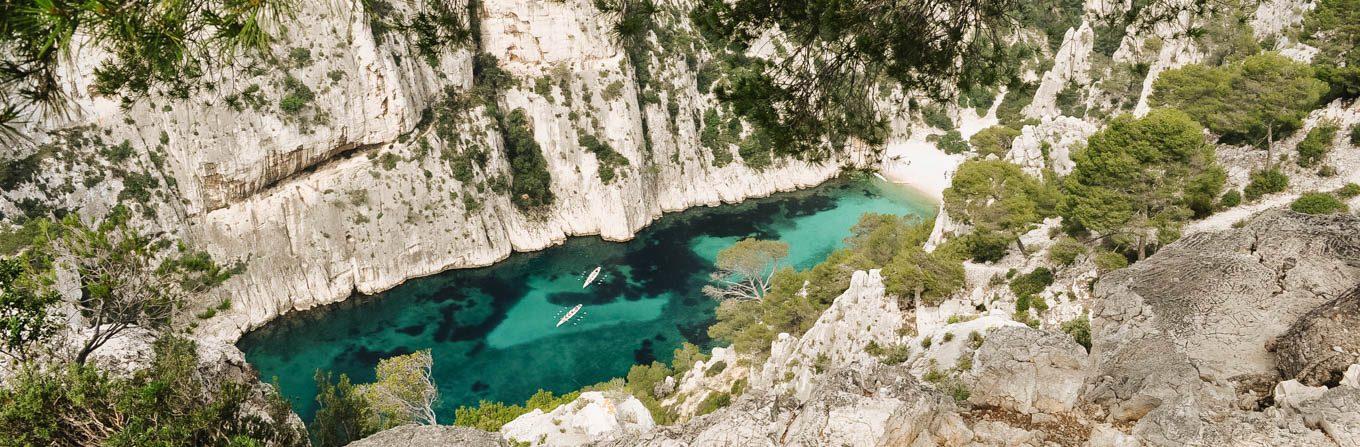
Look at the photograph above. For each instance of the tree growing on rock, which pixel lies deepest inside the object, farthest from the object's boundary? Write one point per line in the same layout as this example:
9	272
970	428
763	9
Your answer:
997	196
745	269
1255	101
1138	179
121	286
25	311
404	391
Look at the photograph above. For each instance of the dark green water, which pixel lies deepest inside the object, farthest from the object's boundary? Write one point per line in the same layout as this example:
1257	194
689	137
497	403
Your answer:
492	329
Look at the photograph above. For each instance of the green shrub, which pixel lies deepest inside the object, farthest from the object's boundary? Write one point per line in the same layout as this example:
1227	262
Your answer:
490	416
1080	330
1069	100
1317	203
716	369
17	171
1355	134
1108	261
1315	146
891	355
713	402
531	185
296	96
1230	199
1265	182
610	160
1348	191
937	117
300	57
1065	251
952	143
988	246
995	140
166	404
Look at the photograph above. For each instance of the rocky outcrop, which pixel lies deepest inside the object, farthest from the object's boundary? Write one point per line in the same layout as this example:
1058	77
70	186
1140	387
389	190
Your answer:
1177	336
1027	370
430	436
580	421
863	314
857	405
1319	347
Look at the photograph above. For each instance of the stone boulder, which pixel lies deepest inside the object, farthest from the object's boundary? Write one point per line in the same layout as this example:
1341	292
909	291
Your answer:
1027	370
430	436
1319	347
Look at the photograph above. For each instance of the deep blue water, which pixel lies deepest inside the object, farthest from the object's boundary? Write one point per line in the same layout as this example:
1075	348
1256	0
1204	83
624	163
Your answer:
492	329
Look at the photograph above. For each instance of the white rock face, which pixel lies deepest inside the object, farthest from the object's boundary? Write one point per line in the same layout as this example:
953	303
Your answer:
1027	370
1061	135
1070	64
861	315
579	422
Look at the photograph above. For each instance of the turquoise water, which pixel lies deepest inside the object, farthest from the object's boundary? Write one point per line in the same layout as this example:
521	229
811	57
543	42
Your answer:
492	329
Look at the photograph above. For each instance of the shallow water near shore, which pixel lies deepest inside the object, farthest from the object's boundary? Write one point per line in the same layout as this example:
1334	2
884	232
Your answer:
492	329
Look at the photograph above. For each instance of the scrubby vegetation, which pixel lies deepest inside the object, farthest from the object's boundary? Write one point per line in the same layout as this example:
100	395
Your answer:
995	140
1265	182
892	243
1318	203
997	197
1139	180
1256	101
167	403
1316	145
609	159
531	186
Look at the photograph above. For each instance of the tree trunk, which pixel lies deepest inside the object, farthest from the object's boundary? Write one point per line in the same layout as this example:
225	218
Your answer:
1142	247
1021	244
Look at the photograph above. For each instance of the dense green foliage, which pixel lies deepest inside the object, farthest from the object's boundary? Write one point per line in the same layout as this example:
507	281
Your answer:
1333	26
1264	182
1080	330
1027	285
531	186
997	196
26	316
952	142
152	46
1138	180
1108	261
1257	101
342	415
1317	203
1065	250
1348	191
995	140
490	416
1230	199
1315	146
167	404
825	86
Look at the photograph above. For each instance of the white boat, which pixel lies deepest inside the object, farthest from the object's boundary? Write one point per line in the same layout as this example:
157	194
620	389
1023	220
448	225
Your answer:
880	176
570	313
591	277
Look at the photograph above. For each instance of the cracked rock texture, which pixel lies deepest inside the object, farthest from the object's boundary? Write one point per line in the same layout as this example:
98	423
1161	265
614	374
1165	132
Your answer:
1171	334
430	436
